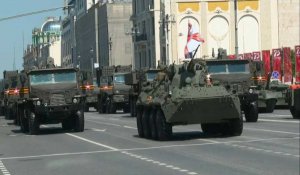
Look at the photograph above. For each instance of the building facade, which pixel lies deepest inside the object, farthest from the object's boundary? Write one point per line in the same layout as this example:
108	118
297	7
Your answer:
46	45
261	24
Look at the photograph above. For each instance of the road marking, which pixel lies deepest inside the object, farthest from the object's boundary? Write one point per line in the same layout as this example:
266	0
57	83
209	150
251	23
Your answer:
145	148
267	130
3	168
93	142
130	127
209	140
264	150
98	130
104	123
278	121
159	163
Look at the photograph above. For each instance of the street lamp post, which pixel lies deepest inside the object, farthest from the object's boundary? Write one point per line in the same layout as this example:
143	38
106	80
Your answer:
236	30
110	53
92	60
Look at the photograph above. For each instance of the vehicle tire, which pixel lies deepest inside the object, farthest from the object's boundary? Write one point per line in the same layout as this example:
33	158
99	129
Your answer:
251	114
101	107
111	107
86	108
270	105
211	128
234	127
139	122
23	121
79	121
33	124
126	109
67	124
145	123
295	113
164	129
152	119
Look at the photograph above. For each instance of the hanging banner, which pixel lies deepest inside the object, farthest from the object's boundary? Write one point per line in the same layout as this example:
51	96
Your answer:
297	63
288	77
276	63
240	57
256	56
267	63
248	56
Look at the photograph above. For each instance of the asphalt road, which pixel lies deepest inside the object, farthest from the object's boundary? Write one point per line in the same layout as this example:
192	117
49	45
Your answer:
110	146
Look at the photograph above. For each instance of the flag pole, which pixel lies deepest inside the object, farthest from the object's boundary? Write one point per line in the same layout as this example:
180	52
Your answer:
236	30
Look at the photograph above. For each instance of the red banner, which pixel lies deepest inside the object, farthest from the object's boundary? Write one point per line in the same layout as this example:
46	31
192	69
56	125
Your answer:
276	63
267	63
287	65
256	56
248	56
297	63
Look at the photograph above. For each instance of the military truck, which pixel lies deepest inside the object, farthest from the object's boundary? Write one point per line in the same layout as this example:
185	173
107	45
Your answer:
293	100
89	89
236	76
136	79
113	94
1	97
184	94
11	93
271	92
54	97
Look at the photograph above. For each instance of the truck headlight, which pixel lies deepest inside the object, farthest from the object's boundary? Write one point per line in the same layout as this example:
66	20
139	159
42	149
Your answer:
250	91
75	100
38	103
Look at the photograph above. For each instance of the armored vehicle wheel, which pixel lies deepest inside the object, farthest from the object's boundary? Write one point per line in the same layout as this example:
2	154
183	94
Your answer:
67	124
153	129
270	105
79	121
164	129
139	121
211	128
295	113
126	109
234	127
251	114
33	124
145	123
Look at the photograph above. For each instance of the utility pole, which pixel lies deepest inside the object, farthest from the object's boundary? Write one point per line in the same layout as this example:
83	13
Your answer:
236	30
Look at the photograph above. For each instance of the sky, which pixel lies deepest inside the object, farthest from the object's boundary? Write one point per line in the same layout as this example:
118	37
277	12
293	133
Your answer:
13	30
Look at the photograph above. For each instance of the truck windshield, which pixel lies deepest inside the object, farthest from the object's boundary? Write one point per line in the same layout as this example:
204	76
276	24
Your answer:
150	76
53	78
119	79
228	68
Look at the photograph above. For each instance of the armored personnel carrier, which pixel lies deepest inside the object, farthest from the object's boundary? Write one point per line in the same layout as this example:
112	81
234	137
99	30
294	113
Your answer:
293	99
53	97
136	79
184	94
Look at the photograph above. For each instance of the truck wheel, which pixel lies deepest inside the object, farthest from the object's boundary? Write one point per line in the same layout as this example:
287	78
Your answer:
270	105
33	124
295	113
79	121
251	114
111	107
153	129
67	124
126	109
139	122
164	129
145	123
23	121
86	108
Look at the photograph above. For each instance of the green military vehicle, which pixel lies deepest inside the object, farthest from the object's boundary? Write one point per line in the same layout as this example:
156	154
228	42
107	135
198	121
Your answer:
183	94
54	97
137	79
293	100
272	93
1	97
113	94
11	93
236	76
89	89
